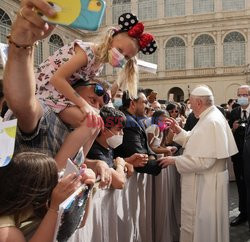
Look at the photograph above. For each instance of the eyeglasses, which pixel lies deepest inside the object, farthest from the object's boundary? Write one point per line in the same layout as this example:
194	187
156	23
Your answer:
242	95
174	111
99	91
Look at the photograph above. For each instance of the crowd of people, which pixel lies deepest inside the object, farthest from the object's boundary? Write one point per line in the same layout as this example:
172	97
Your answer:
65	111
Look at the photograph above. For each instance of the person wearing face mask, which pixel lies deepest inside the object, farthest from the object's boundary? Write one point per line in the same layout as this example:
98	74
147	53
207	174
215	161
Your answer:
117	101
203	168
155	133
237	121
110	138
83	61
135	137
246	155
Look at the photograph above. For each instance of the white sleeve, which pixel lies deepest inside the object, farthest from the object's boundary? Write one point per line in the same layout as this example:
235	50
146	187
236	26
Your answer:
181	138
188	164
151	129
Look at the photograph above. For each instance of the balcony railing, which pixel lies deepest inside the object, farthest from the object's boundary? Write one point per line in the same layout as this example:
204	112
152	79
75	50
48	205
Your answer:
215	71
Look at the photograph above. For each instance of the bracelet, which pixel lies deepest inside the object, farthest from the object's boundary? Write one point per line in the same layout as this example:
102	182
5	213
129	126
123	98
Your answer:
25	47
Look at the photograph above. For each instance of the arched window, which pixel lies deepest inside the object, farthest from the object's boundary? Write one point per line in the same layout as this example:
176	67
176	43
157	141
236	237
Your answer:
55	42
119	7
174	8
234	49
228	5
204	51
149	58
5	24
147	9
175	54
177	93
203	6
38	54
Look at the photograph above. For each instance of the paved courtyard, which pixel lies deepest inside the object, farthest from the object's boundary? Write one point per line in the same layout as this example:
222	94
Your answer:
239	233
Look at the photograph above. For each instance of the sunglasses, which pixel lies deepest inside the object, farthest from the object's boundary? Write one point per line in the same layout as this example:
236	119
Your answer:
99	91
174	111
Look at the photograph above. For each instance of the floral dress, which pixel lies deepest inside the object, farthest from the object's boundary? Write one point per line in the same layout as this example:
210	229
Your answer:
46	92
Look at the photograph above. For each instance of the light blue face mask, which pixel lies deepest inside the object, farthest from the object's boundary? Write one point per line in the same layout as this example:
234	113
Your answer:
243	101
117	102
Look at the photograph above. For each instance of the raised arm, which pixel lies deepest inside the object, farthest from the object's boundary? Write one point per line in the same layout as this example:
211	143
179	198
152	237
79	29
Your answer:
18	80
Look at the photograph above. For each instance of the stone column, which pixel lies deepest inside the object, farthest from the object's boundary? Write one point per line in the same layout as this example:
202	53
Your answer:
161	54
219	50
188	7
247	4
160	9
189	52
134	7
109	13
247	46
217	6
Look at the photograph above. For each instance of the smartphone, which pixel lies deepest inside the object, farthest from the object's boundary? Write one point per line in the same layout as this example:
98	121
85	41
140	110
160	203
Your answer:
71	168
79	14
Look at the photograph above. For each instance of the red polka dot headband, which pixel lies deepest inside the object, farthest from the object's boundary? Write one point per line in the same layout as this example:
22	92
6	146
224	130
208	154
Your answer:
129	23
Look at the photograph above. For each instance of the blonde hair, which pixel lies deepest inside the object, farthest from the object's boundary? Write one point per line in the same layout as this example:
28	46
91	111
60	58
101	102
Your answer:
128	77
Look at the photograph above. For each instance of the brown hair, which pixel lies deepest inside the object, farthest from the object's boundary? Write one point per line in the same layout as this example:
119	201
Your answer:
27	181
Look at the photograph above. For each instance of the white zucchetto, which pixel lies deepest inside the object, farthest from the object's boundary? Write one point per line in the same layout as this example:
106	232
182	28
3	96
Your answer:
202	91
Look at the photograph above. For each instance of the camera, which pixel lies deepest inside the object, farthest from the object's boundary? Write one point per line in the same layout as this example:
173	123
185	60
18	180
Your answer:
242	122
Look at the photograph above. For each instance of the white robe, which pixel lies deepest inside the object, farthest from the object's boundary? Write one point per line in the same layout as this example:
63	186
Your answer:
204	178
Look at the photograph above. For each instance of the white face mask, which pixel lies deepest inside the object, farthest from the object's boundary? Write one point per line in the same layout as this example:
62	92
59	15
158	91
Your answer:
243	101
117	102
116	59
115	140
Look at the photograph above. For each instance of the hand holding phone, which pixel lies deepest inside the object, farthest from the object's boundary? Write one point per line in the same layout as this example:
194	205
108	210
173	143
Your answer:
81	14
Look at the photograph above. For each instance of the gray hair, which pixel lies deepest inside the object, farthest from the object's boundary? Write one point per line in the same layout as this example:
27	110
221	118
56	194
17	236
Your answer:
244	87
206	100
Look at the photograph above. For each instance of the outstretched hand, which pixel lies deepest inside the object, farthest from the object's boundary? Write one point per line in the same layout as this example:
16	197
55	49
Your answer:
65	187
174	125
87	175
165	161
103	170
29	27
138	160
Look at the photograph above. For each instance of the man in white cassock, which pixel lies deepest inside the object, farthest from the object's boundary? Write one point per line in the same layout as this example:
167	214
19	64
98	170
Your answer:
204	175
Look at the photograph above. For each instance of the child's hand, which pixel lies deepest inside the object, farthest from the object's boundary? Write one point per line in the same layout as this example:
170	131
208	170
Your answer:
119	161
88	176
87	109
169	150
93	117
65	187
104	171
129	169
